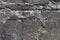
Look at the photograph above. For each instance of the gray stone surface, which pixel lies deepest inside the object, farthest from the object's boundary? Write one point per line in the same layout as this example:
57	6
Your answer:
38	26
52	25
29	1
28	24
20	30
46	27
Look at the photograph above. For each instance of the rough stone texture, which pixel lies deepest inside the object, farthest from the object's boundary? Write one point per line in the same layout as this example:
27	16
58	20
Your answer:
16	30
28	25
31	28
13	27
52	25
29	1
